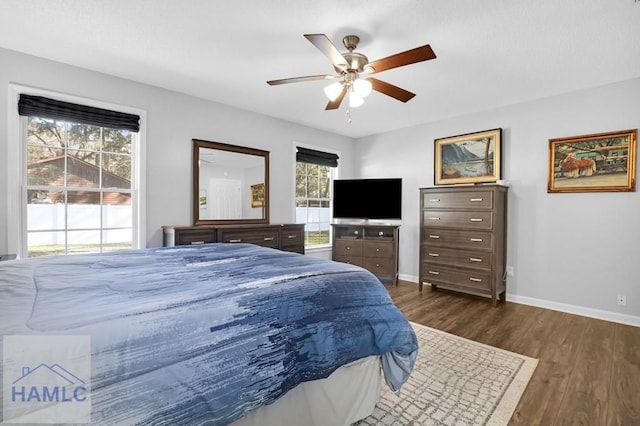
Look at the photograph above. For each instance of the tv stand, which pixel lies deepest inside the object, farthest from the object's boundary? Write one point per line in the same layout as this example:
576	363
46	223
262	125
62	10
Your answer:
371	246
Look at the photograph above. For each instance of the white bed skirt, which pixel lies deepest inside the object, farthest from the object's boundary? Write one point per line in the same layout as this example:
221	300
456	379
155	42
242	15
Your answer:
346	396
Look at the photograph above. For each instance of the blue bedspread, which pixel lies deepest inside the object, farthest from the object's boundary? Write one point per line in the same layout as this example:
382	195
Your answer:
209	332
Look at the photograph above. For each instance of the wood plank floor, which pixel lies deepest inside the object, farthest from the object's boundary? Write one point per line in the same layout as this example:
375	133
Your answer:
588	371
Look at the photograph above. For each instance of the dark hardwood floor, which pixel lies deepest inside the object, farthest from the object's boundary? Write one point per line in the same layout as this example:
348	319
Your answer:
588	371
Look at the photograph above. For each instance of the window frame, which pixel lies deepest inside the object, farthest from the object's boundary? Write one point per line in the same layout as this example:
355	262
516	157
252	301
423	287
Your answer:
335	172
17	168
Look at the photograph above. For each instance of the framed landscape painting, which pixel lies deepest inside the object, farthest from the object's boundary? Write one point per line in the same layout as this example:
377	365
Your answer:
601	162
468	158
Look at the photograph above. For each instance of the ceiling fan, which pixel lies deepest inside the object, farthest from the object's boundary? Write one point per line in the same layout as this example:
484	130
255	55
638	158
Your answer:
353	70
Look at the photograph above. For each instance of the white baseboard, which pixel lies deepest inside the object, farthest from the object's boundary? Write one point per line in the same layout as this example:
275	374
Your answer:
561	307
410	278
577	310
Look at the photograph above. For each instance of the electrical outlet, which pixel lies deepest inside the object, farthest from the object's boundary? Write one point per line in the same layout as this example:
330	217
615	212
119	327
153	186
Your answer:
622	300
510	271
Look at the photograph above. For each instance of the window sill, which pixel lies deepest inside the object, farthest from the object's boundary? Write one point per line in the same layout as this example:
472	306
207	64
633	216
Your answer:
317	248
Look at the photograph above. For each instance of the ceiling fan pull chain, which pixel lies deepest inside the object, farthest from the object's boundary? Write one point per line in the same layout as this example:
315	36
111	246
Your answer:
348	112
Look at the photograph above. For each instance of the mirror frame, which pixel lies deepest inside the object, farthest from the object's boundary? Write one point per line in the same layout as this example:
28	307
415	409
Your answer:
197	144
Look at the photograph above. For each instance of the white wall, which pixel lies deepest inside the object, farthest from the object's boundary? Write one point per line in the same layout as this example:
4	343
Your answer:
574	252
173	119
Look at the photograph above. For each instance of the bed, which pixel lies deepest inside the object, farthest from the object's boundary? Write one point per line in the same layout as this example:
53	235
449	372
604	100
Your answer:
215	334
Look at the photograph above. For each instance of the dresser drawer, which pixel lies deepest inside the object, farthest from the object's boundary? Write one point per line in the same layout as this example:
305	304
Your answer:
436	274
348	247
454	257
482	200
194	236
380	267
261	237
457	219
468	239
292	236
378	249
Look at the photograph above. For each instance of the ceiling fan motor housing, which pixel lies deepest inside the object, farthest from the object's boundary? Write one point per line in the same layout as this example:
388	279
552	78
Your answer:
355	62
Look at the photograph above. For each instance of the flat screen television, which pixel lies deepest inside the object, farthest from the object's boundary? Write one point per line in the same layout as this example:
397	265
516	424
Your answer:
367	199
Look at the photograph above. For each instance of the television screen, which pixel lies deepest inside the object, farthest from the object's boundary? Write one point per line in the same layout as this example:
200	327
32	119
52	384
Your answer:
367	198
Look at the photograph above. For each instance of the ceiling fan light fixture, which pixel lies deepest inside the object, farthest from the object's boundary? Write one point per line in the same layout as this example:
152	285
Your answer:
333	90
362	87
355	100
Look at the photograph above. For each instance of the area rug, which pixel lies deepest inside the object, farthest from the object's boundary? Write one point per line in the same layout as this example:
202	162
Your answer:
455	381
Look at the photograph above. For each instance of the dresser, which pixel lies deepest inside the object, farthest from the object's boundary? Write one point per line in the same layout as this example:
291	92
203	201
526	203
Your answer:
287	237
463	237
373	247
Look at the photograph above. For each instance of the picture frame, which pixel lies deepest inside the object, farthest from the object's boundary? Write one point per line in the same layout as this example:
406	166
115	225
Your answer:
257	195
468	159
202	198
599	162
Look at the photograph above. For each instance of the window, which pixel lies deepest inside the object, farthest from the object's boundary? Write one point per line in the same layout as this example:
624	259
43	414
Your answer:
315	172
79	181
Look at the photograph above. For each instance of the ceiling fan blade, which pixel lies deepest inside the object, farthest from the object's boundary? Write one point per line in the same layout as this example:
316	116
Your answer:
336	103
419	54
299	79
323	44
390	90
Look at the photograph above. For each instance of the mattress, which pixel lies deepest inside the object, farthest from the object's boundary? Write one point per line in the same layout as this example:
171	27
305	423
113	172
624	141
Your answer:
349	394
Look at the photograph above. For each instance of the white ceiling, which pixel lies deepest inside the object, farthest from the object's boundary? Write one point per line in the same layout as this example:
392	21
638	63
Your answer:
490	53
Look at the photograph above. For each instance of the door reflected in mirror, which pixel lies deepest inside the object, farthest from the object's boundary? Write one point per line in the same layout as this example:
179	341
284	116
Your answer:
231	184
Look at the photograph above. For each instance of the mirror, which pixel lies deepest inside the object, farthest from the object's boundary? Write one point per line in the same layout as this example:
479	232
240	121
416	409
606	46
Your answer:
230	184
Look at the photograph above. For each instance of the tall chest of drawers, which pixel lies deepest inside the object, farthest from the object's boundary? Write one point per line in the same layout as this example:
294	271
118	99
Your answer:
463	238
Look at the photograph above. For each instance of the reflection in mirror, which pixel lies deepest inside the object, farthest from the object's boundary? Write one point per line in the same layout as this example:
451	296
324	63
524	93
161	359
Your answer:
231	184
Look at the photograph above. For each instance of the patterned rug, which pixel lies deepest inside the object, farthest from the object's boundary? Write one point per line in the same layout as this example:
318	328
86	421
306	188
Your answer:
455	382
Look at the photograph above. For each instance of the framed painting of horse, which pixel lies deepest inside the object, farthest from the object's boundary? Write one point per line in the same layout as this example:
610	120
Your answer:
601	162
469	158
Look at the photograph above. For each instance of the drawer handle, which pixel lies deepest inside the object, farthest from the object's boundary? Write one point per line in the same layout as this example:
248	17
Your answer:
268	238
434	200
196	243
475	200
476	240
377	250
476	280
475	259
292	236
434	272
434	218
475	219
377	265
434	255
235	241
348	248
435	237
